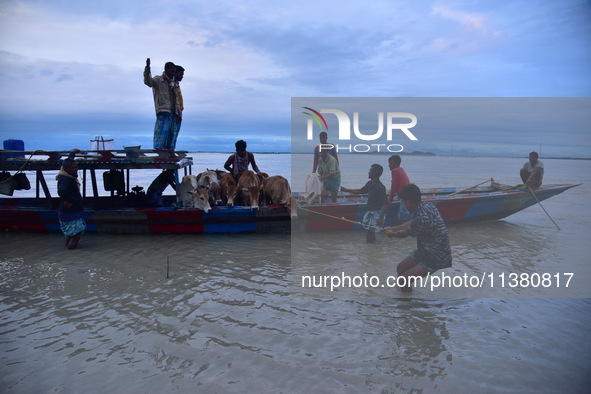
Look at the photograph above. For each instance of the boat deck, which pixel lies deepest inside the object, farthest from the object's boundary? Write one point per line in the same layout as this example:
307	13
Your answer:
40	160
113	160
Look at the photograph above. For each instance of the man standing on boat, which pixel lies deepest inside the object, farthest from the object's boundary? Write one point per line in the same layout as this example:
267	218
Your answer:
165	103
178	77
330	175
71	209
324	144
532	171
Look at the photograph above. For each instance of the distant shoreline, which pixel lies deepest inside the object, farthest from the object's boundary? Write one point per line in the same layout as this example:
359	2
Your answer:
415	153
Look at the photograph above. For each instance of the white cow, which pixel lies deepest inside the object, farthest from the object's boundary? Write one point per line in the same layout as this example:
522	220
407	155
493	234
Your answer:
210	180
313	188
192	195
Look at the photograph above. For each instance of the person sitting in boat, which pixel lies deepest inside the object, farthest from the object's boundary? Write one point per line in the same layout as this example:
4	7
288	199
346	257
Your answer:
532	171
157	187
71	209
433	249
376	200
330	175
239	161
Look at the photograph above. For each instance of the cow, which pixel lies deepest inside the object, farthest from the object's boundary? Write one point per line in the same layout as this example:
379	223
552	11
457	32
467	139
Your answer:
229	189
276	191
191	195
209	180
249	189
313	188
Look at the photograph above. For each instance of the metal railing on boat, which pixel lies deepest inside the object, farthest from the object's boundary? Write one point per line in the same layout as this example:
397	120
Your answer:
91	161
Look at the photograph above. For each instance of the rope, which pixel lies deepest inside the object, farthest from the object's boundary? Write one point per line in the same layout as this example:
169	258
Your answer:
376	254
23	166
354	222
339	218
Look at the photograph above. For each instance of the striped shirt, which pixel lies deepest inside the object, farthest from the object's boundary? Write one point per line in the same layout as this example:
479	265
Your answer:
432	239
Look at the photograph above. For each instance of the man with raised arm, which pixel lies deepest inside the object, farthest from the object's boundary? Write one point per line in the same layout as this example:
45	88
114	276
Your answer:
165	104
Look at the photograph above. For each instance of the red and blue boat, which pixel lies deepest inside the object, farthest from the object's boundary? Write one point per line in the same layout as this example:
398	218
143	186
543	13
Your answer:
122	211
455	206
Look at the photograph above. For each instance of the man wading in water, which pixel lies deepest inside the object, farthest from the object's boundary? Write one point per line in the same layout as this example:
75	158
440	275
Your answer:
433	251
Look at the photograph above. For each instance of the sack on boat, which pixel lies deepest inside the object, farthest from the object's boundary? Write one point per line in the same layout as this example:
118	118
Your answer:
21	182
6	183
99	143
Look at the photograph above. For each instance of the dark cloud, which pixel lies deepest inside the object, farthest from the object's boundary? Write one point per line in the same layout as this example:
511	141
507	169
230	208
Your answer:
79	66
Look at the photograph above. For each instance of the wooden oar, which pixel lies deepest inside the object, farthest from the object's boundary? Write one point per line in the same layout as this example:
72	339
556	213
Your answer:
471	187
536	197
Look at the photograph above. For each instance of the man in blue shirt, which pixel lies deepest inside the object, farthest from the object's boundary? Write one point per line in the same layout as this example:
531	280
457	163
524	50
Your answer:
376	200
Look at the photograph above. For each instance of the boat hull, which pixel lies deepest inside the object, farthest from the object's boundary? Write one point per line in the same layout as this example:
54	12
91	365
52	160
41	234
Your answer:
40	215
153	220
483	204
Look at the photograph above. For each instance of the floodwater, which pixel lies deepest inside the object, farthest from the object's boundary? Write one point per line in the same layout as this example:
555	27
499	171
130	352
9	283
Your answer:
225	313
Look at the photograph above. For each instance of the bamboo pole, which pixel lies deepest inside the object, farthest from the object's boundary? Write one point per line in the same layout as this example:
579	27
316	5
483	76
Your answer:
536	197
471	187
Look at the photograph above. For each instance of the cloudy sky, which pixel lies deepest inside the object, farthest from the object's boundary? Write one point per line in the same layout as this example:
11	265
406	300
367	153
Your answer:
73	69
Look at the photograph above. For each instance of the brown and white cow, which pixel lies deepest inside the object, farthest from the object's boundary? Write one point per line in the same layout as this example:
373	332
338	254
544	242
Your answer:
276	191
191	195
209	180
229	189
249	189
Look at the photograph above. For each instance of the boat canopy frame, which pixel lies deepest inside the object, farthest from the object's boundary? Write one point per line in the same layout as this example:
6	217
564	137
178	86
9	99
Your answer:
91	161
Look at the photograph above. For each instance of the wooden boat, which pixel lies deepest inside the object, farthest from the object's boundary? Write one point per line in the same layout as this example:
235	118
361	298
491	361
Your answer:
454	204
122	212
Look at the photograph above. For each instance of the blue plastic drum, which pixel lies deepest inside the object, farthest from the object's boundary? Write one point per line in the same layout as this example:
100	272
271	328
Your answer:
12	144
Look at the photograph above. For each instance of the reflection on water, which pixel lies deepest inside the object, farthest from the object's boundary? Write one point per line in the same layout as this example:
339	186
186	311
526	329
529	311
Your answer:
227	319
491	250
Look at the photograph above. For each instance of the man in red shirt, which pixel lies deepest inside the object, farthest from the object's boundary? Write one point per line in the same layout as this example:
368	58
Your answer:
399	180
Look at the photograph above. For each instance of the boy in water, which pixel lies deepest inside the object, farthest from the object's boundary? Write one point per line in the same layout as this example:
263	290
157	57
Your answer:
376	200
433	250
399	180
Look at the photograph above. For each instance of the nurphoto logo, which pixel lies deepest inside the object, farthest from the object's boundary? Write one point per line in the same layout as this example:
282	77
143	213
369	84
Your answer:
391	122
